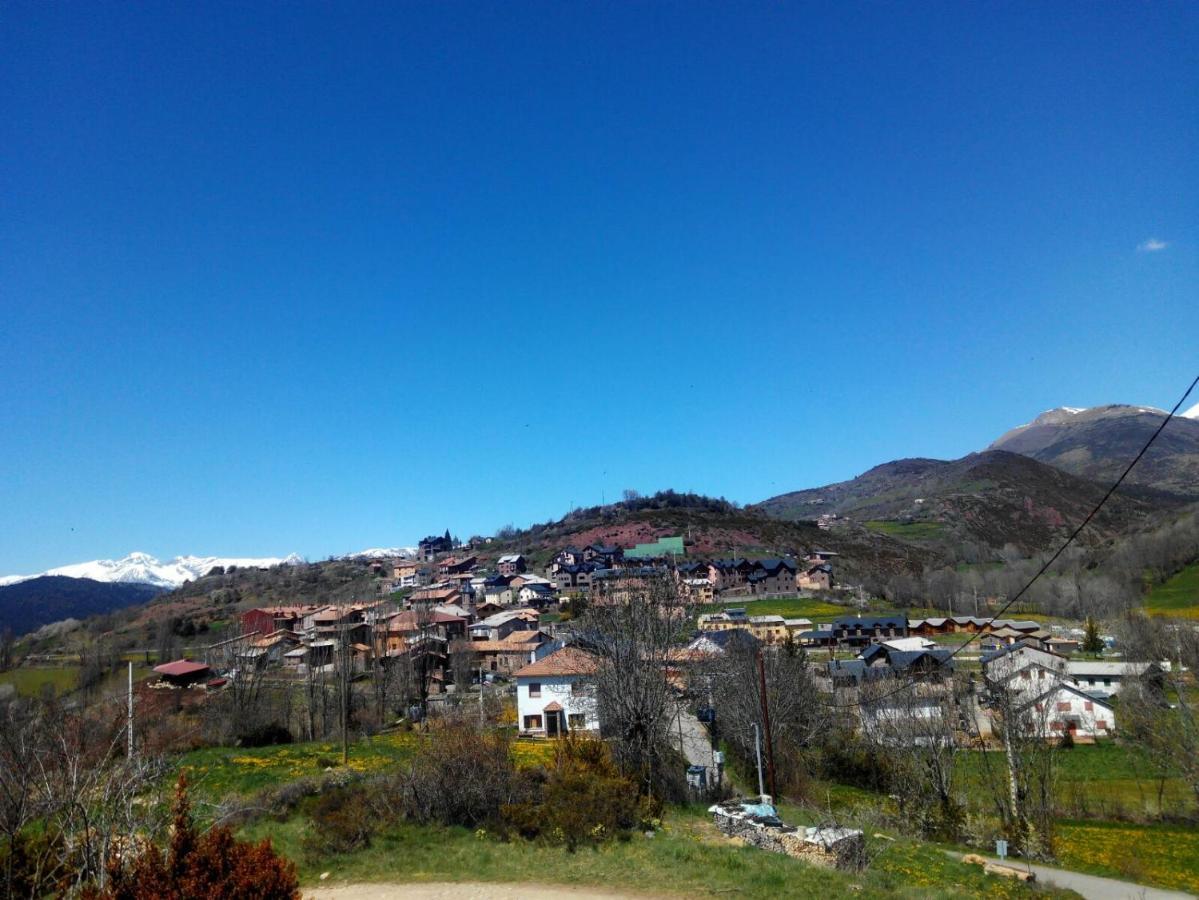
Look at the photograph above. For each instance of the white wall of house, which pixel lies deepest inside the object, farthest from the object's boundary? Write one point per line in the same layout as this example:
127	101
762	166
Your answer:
1002	667
1064	707
574	693
1101	678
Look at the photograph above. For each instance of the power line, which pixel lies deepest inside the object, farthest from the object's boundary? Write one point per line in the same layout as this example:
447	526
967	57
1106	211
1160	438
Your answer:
1062	549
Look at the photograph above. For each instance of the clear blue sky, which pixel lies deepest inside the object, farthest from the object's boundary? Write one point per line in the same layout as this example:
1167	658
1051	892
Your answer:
290	277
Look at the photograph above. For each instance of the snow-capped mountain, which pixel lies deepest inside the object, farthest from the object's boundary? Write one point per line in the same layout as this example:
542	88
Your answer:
142	568
383	553
1099	441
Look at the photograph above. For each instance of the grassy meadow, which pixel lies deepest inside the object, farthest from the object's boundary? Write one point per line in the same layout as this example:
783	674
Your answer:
30	681
790	607
217	772
687	857
1177	596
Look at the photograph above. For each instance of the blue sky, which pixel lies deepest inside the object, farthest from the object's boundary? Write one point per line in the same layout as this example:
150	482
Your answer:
292	277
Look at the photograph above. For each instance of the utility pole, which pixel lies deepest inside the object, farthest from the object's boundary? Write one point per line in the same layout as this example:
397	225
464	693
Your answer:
766	722
480	696
758	753
343	683
129	717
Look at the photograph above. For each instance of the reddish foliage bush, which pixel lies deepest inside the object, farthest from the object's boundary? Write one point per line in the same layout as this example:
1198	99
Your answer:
210	866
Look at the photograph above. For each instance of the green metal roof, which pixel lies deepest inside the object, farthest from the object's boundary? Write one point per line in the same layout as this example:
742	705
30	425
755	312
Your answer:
667	546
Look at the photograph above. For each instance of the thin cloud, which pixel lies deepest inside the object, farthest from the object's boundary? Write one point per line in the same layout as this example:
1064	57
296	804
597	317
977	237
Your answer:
1153	245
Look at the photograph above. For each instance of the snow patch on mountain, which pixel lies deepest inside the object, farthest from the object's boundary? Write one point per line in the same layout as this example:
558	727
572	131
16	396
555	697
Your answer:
142	568
383	553
1192	413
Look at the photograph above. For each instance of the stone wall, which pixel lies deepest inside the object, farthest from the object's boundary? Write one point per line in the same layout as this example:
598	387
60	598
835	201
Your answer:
841	848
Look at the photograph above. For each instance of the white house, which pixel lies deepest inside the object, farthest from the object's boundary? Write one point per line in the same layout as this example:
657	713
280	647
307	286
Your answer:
1063	708
556	694
999	665
1101	678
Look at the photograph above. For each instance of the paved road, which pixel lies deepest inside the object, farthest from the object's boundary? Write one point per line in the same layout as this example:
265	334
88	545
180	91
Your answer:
696	745
1093	887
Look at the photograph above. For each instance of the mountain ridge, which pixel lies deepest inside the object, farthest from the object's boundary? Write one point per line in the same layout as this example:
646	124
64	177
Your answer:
1098	442
142	568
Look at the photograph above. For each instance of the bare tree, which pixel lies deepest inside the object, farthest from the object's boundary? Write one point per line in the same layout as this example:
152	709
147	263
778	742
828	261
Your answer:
65	771
798	716
241	706
1022	787
632	627
1158	711
912	724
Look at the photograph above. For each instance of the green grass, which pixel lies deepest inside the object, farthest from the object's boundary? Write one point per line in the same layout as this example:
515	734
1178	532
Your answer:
1162	855
1178	596
912	531
216	772
687	857
790	607
30	681
1106	778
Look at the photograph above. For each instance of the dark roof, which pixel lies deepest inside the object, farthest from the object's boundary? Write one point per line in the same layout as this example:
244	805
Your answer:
731	637
818	634
774	565
1005	649
847	668
871	621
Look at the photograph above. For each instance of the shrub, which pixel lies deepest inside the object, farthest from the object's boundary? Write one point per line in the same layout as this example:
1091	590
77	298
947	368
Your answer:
463	777
200	866
343	820
584	798
265	736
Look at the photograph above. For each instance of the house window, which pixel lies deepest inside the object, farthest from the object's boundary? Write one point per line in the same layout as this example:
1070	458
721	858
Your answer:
577	721
1064	707
576	687
532	723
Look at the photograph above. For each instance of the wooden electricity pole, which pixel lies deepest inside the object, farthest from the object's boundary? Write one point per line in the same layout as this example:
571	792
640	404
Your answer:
766	726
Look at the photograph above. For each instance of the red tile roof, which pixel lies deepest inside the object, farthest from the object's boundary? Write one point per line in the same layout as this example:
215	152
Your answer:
181	667
553	707
567	661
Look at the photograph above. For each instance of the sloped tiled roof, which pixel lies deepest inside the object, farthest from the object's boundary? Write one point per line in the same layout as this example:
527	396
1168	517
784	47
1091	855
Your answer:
567	661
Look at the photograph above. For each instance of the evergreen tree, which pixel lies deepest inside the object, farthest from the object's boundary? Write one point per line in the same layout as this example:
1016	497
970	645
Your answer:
1092	642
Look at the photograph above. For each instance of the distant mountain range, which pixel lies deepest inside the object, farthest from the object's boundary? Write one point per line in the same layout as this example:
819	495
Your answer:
1099	442
991	499
141	568
383	553
1027	488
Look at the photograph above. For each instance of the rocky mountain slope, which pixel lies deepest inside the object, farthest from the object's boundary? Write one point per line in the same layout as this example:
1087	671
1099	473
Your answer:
993	499
1097	443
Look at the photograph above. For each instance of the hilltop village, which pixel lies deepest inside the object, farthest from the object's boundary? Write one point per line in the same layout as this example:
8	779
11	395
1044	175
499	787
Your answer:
453	618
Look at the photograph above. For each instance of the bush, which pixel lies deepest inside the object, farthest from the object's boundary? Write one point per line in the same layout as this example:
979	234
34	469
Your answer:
584	799
200	866
463	777
343	820
265	736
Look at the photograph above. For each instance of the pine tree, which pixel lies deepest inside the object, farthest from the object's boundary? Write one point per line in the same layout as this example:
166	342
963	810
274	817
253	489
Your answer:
1092	642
